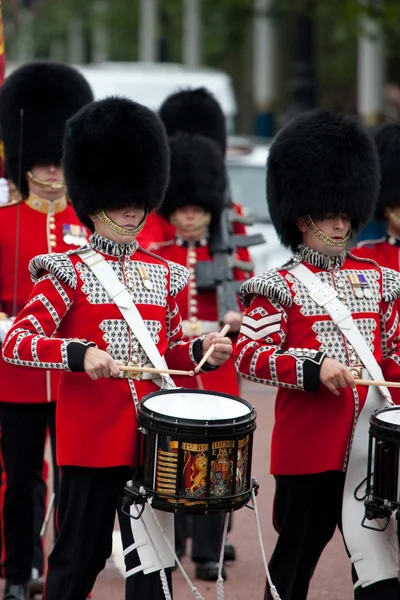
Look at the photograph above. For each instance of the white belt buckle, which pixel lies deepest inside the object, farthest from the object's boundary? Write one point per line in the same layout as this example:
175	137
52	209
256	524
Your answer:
325	300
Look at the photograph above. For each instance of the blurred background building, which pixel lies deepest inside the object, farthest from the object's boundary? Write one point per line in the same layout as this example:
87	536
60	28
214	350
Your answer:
264	60
283	56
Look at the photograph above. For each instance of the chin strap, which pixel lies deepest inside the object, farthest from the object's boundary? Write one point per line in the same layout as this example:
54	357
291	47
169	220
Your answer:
325	238
121	230
205	220
53	185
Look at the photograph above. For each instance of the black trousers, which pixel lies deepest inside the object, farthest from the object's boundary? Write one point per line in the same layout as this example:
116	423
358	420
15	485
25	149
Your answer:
307	510
87	505
206	533
23	436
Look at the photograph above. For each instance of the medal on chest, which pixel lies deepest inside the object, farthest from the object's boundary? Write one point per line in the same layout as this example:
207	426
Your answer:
360	285
74	235
144	276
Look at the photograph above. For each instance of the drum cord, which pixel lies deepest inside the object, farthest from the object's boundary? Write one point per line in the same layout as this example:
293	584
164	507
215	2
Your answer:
193	589
220	580
273	590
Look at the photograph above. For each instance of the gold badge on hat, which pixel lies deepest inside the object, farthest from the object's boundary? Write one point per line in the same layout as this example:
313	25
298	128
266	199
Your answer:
144	276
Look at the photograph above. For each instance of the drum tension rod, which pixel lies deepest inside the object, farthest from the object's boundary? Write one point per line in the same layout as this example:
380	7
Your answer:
134	494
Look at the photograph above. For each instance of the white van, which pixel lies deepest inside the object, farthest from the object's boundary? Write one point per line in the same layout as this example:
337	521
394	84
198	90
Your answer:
151	83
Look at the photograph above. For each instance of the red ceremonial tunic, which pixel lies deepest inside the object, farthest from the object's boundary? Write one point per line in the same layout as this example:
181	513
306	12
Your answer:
68	307
284	338
386	252
199	312
31	228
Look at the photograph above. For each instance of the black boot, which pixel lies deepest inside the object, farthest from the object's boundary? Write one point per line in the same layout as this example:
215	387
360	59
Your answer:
208	571
15	591
229	551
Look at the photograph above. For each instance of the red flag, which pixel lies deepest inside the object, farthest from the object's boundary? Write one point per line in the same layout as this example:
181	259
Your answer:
2	74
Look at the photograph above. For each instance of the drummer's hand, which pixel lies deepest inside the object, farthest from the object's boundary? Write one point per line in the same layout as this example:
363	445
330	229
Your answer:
98	364
335	375
223	348
234	319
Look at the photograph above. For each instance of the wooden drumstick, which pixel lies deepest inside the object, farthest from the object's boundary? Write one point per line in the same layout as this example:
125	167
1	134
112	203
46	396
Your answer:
211	349
394	384
133	369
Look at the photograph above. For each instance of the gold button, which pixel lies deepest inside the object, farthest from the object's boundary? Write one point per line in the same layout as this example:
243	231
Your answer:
135	360
193	319
192	270
192	254
51	219
194	309
135	348
53	244
193	291
52	226
53	236
193	301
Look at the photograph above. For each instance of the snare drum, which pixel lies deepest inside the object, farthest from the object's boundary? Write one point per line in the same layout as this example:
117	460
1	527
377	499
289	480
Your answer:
382	493
196	450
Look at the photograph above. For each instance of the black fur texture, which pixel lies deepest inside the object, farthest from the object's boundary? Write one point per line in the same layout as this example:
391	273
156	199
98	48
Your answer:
197	175
195	111
387	140
48	93
321	164
115	155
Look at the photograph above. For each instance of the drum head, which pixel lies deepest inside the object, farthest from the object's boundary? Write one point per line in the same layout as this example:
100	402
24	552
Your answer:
390	416
196	405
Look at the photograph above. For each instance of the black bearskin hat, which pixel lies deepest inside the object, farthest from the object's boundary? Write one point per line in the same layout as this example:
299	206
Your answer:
195	111
115	155
387	140
320	164
35	102
197	175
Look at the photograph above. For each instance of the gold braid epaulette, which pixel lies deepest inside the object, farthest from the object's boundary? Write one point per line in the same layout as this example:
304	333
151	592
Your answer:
12	203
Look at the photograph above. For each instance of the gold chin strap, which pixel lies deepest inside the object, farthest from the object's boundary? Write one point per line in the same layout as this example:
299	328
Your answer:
54	185
394	218
205	220
325	238
121	230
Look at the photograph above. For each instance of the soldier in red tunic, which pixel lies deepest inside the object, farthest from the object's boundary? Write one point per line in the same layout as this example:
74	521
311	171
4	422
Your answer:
116	167
194	199
193	111
323	182
386	250
36	100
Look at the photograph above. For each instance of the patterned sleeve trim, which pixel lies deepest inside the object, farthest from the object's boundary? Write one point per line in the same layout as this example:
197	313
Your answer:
59	265
308	367
390	284
179	277
270	284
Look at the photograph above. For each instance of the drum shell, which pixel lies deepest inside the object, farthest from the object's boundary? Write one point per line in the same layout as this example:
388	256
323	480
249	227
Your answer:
384	451
196	466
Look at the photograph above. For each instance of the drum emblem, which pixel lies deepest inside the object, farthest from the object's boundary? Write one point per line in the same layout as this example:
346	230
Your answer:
198	475
221	473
